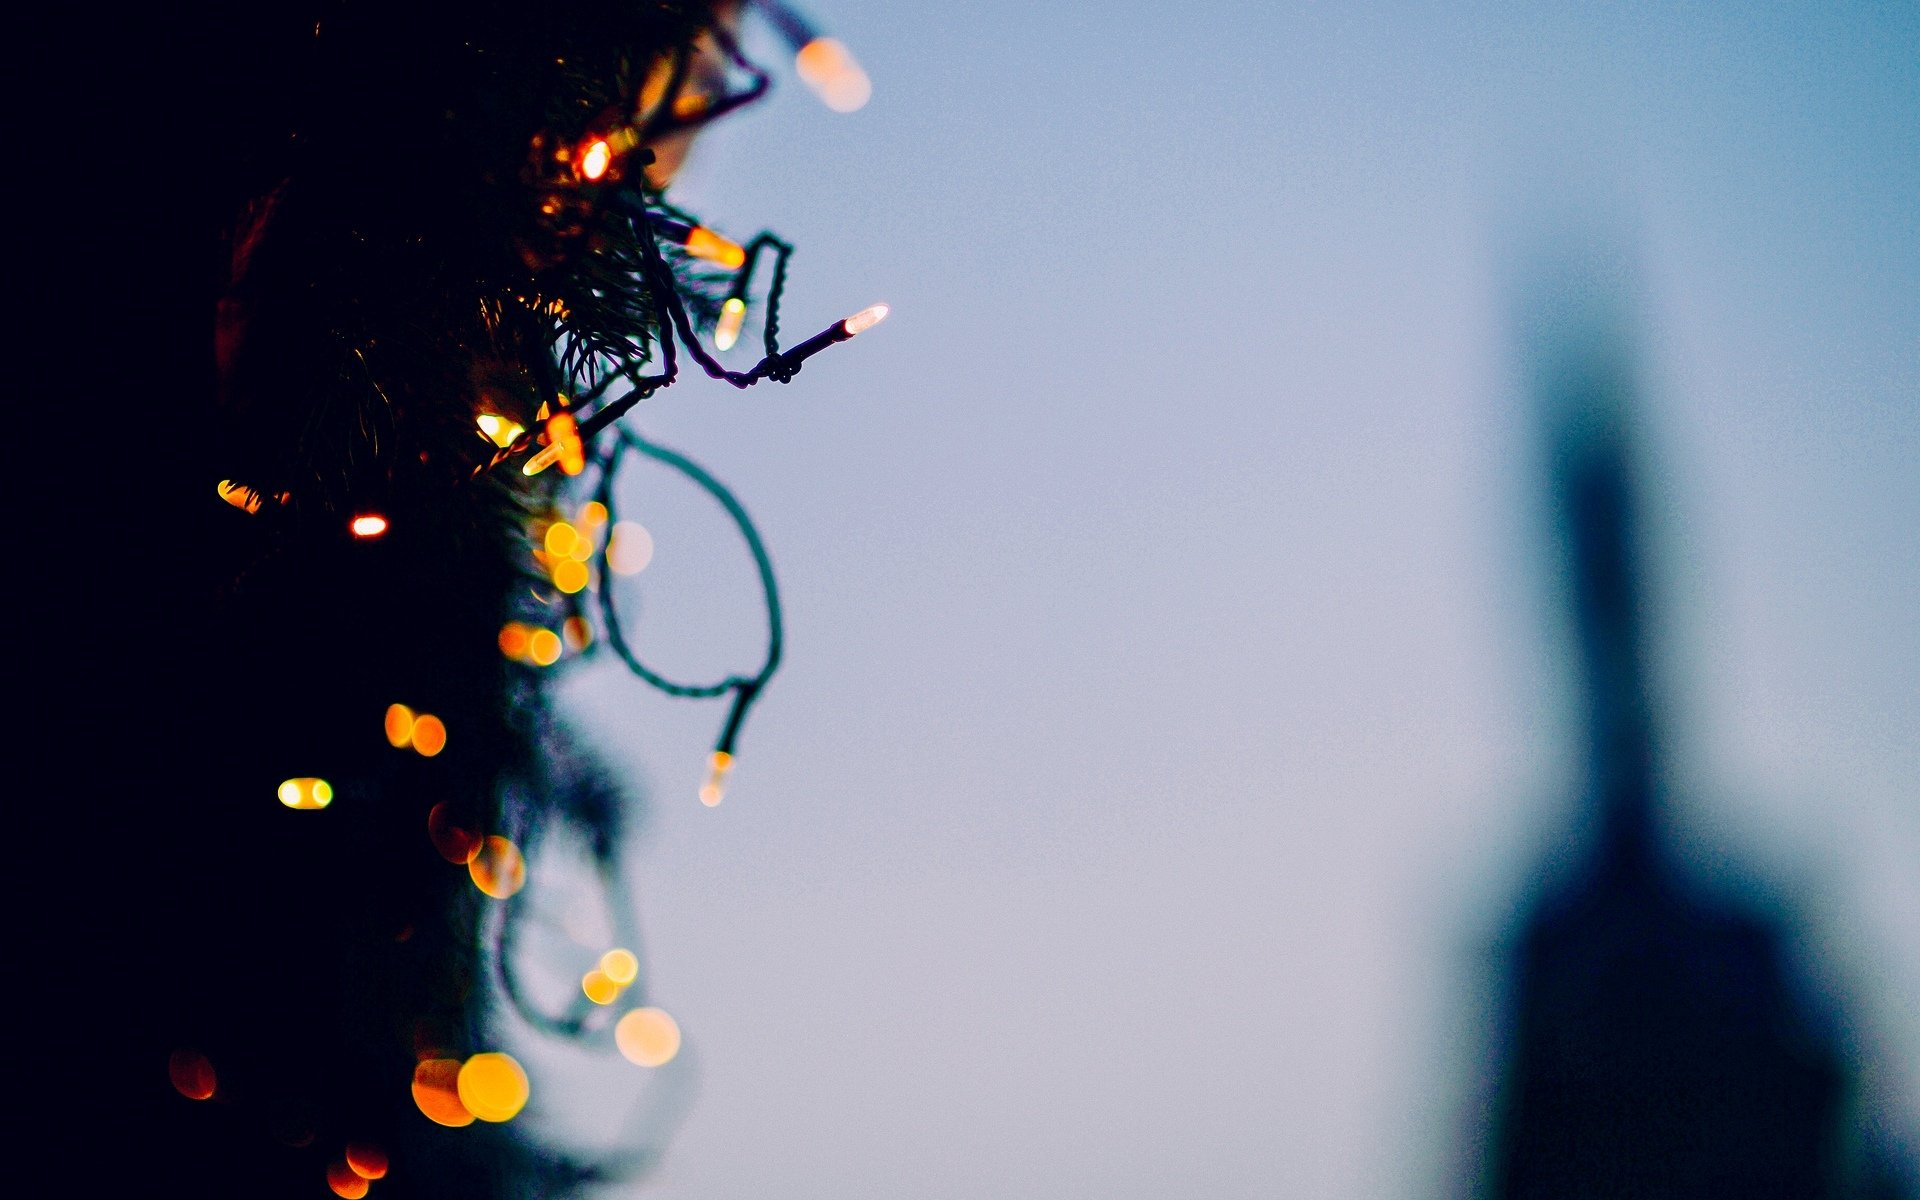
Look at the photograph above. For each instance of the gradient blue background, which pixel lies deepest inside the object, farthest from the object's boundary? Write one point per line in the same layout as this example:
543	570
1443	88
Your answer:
1176	701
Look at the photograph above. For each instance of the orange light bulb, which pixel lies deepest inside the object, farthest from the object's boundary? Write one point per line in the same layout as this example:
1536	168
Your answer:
705	243
829	68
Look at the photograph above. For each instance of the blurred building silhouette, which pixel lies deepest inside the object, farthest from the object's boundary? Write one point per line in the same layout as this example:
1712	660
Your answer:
1656	1042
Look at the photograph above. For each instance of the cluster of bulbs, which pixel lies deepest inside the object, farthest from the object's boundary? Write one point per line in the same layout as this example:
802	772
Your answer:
490	1086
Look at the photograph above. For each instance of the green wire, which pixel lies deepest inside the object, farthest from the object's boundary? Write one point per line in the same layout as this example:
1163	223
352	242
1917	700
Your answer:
745	688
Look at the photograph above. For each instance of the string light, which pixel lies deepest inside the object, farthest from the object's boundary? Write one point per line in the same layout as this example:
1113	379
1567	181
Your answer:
498	869
595	159
570	575
719	766
745	688
191	1074
726	329
346	1183
602	343
399	726
563	446
823	63
241	497
672	314
620	965
368	1160
560	539
501	431
866	319
436	1092
629	548
839	331
599	988
514	639
829	68
306	792
647	1037
492	1086
543	647
699	241
429	735
424	732
653	90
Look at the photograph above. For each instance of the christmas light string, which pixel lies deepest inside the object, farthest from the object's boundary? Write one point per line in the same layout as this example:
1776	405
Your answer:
745	688
620	316
670	313
614	161
823	63
566	432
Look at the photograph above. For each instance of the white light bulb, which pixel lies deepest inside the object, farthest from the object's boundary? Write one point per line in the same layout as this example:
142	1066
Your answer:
866	319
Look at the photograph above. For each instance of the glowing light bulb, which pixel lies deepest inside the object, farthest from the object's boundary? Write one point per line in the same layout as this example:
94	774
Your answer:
593	515
399	726
866	319
620	965
367	1160
705	243
577	632
829	68
493	1086
499	870
726	330
347	1183
599	988
305	791
570	575
647	1037
629	548
563	447
543	647
654	88
436	1092
560	539
499	430
595	159
243	498
514	637
718	767
429	735
368	525
192	1074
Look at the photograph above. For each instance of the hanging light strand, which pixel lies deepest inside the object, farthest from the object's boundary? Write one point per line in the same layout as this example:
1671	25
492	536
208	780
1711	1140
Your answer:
745	688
